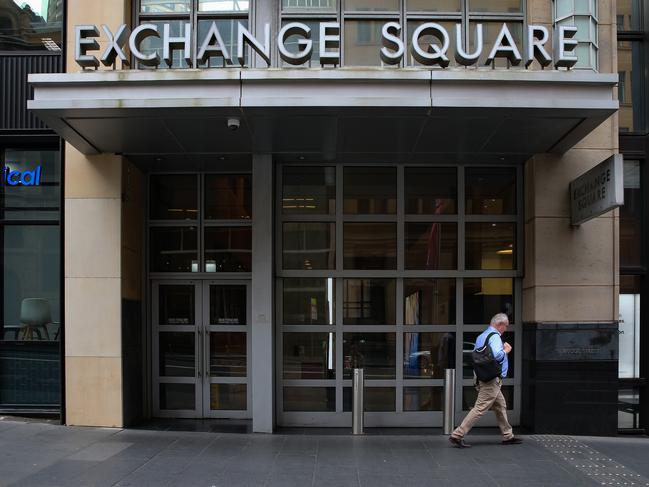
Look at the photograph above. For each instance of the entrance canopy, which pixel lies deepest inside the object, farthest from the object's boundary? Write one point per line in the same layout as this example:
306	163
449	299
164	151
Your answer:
412	114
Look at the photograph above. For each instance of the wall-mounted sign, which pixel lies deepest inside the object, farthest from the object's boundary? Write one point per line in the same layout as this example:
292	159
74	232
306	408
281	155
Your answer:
11	177
297	33
597	191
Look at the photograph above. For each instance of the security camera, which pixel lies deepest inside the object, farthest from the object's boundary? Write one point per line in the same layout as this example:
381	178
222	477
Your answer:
233	123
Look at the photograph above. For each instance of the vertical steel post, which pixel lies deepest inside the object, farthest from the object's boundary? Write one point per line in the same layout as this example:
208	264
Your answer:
449	401
358	385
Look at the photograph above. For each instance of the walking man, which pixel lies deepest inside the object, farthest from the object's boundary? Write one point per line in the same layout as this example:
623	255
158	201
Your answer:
489	393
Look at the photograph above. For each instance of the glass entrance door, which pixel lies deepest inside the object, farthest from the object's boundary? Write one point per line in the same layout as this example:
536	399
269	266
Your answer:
201	348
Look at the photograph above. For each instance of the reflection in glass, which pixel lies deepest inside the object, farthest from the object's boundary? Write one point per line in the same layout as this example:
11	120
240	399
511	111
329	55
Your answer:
309	190
370	246
176	304
431	190
486	296
469	395
309	399
426	355
308	301
628	415
34	25
362	43
309	355
228	196
629	338
228	29
177	354
431	245
429	301
375	399
308	245
309	5
436	6
228	397
495	6
491	30
369	302
173	197
228	354
227	304
631	86
370	190
490	246
374	352
223	6
312	203
422	398
427	39
173	249
153	44
629	15
177	396
164	6
228	249
631	223
469	344
490	191
372	5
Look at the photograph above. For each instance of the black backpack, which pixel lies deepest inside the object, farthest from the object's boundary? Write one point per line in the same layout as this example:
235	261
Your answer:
485	366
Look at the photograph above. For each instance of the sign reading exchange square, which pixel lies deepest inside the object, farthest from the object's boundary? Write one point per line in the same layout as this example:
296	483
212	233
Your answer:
597	191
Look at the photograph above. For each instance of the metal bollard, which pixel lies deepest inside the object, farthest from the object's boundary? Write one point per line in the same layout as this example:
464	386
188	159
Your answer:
449	401
358	393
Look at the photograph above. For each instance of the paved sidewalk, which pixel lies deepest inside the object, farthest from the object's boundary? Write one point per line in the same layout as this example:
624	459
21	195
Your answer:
47	455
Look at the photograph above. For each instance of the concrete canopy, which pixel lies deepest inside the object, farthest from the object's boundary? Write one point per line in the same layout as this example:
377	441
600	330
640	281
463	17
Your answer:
373	113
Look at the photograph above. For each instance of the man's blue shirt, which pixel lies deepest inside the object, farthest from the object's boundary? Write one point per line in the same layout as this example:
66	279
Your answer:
496	344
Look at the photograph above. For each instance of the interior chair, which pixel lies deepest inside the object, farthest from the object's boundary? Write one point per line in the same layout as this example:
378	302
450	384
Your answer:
35	315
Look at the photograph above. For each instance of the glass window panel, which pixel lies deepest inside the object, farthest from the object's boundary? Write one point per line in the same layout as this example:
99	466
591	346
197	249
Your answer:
370	190
436	6
309	190
176	304
495	6
228	397
469	396
173	197
486	296
34	25
223	6
490	246
628	408
629	338
431	190
374	352
309	355
154	44
369	302
469	344
490	32
375	399
310	5
228	249
177	396
228	196
370	246
431	245
228	354
490	191
177	354
630	61
372	5
583	29
37	196
310	399
631	222
629	15
563	8
308	301
309	246
363	42
427	39
292	45
30	373
173	249
164	6
228	29
429	301
422	398
427	355
228	305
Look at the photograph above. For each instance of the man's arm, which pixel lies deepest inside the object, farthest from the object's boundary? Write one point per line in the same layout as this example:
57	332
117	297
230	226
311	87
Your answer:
497	348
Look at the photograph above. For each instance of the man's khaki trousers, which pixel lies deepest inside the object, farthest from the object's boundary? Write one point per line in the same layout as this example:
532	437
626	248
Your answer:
489	397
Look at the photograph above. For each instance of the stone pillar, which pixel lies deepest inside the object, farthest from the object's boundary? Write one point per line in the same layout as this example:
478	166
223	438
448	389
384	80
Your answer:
263	364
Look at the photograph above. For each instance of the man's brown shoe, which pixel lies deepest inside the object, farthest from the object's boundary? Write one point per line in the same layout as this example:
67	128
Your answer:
513	441
458	442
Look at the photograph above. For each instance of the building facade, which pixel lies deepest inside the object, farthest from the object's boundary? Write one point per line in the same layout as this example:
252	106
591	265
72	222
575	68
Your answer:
259	197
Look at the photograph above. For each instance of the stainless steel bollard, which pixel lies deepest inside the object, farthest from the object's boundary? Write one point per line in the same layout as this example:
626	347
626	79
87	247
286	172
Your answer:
449	401
358	393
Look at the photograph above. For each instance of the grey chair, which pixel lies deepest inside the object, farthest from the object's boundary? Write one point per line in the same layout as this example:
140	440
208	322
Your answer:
35	315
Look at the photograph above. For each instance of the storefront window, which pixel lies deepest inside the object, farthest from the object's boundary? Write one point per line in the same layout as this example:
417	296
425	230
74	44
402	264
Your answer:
31	26
631	217
631	90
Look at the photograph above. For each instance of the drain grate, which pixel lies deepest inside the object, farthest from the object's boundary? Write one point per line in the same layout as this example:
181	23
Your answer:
599	467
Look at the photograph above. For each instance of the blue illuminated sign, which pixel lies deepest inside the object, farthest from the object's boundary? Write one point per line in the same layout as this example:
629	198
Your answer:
22	178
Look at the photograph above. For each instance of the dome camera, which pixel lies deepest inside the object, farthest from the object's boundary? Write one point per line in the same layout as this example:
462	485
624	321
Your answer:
233	123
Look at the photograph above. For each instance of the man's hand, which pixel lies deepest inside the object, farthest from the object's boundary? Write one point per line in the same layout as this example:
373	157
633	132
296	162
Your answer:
507	347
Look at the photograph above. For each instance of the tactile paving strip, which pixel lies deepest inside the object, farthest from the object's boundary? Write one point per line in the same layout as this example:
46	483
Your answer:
600	468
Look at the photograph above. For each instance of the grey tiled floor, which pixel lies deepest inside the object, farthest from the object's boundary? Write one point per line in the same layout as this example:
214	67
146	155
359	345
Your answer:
42	454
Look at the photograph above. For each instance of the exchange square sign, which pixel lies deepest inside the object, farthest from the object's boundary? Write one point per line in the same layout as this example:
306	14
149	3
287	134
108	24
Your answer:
597	191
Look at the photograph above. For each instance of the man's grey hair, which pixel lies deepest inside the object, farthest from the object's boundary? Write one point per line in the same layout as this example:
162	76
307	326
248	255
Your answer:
499	318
